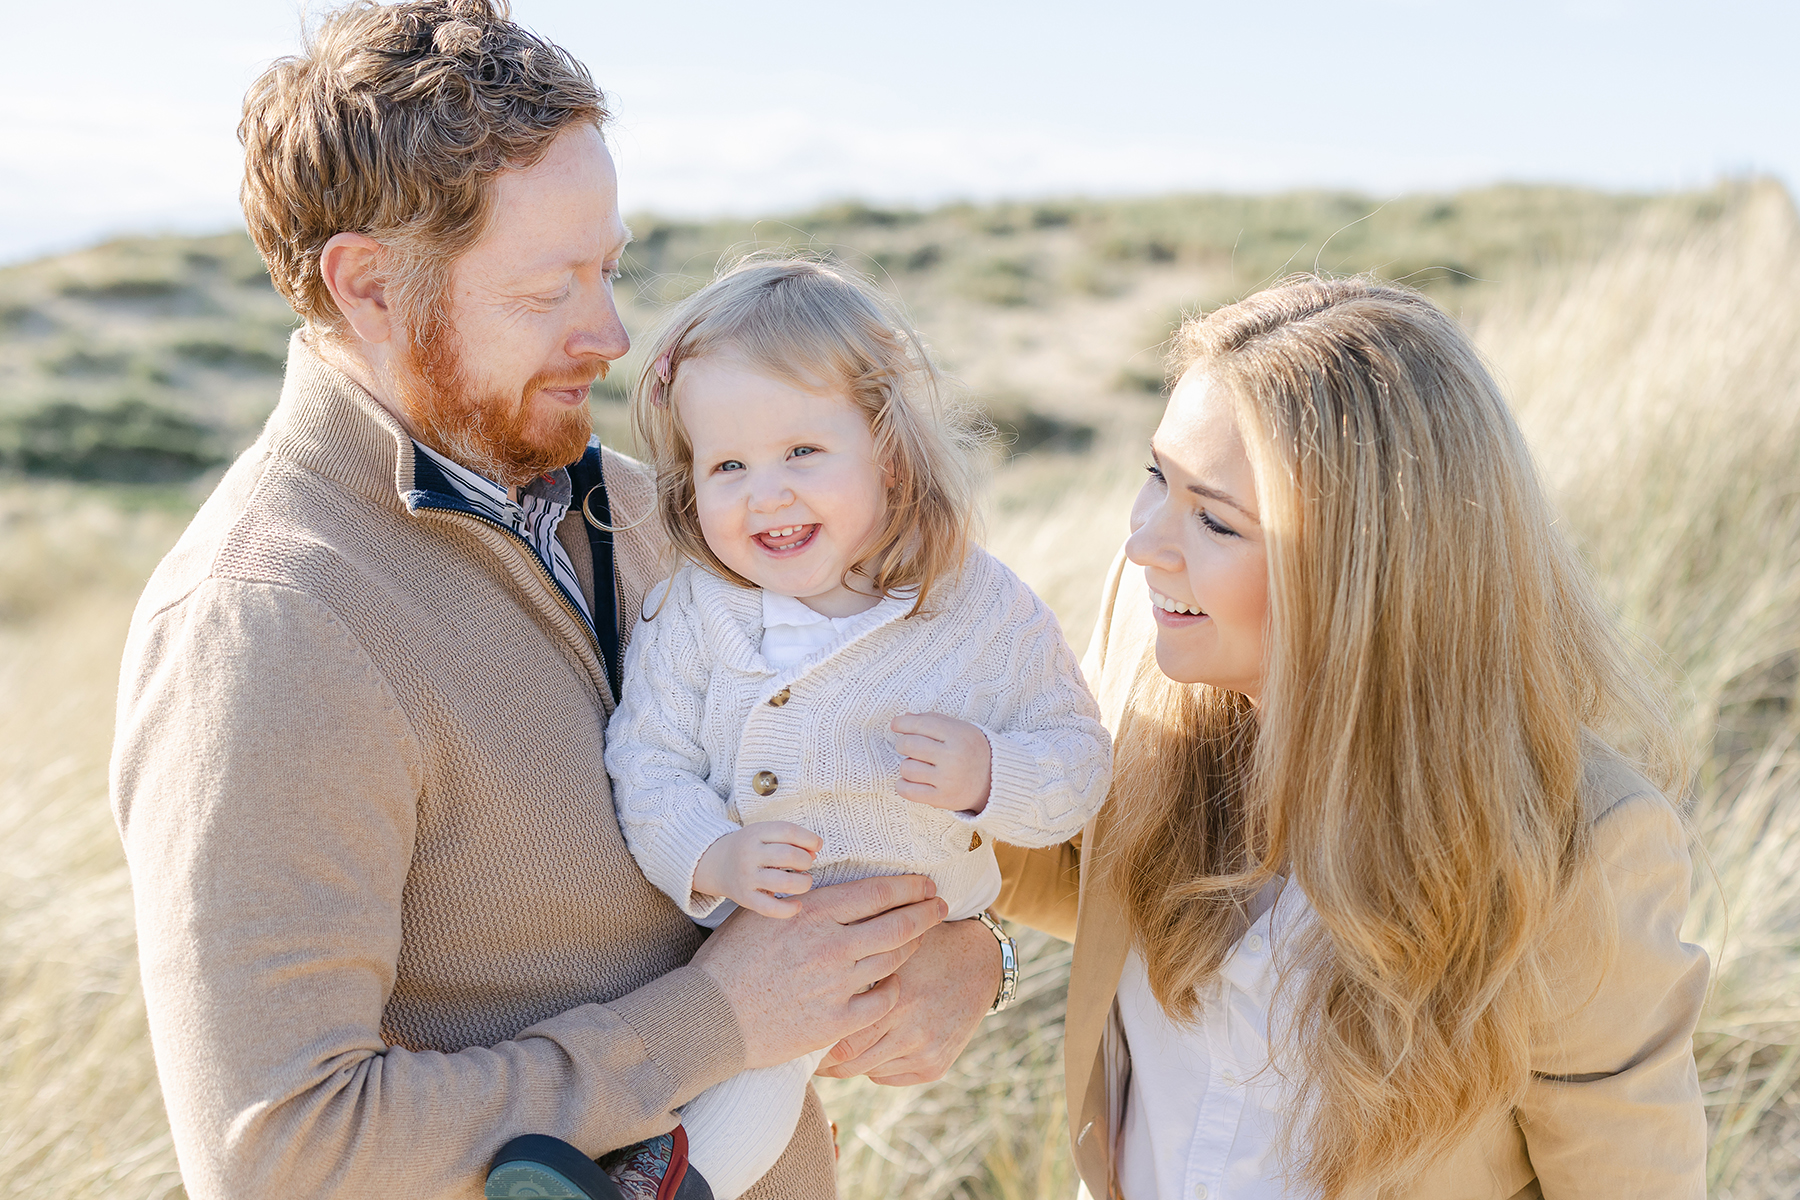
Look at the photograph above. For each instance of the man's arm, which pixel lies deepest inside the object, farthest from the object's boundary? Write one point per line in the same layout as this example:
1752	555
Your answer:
267	808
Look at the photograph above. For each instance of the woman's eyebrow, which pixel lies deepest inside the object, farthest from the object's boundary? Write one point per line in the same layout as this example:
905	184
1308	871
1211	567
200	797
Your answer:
1200	489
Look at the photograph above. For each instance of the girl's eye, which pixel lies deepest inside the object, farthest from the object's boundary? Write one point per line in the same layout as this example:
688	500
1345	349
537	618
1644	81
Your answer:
730	464
1215	525
802	451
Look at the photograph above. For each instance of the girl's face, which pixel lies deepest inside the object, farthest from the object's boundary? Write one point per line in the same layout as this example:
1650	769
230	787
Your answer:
785	480
1194	530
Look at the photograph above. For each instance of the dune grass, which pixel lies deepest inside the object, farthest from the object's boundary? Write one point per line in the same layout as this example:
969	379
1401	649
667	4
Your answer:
1660	386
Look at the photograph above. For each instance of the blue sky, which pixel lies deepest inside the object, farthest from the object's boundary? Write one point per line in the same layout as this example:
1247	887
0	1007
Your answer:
119	116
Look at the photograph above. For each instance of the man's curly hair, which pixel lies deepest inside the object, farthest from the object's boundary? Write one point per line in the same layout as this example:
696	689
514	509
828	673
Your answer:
393	123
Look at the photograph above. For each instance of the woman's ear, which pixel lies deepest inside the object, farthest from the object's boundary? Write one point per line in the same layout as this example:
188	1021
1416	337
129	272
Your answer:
349	265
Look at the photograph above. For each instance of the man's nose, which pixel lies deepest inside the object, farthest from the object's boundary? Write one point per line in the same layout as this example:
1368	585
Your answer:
598	330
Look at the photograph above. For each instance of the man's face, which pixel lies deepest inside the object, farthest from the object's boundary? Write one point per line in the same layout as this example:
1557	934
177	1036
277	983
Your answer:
531	321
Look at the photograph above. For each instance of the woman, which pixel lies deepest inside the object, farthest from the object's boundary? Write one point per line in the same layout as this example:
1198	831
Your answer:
1381	903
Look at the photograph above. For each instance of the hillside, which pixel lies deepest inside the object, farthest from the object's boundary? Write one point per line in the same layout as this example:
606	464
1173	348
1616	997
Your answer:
153	359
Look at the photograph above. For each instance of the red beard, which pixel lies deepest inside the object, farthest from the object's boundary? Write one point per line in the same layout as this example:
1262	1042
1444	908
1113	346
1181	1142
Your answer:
504	437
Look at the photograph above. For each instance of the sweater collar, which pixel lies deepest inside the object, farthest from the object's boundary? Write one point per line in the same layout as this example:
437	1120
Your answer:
328	423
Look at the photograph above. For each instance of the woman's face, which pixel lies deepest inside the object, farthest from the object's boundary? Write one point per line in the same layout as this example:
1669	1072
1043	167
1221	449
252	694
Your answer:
1195	531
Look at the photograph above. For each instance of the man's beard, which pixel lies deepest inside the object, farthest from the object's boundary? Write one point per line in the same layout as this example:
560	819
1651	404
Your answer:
503	437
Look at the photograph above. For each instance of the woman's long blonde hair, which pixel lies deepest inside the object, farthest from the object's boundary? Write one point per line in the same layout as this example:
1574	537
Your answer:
1438	662
818	326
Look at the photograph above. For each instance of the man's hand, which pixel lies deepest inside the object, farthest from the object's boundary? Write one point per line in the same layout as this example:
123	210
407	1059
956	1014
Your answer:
799	984
947	762
944	991
759	864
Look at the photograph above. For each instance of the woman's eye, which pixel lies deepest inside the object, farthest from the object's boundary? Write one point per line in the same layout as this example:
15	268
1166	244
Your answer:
1155	472
1215	525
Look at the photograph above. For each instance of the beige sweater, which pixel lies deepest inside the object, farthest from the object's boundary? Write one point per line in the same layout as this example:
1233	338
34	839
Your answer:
386	917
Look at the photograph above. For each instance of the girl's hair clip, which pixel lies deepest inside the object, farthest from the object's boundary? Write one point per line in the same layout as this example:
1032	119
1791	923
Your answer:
659	393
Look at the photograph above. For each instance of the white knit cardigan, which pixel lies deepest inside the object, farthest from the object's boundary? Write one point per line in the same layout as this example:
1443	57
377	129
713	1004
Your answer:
704	715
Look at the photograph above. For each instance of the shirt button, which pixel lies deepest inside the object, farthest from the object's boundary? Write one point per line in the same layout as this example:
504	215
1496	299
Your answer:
1199	1191
780	698
1254	943
764	783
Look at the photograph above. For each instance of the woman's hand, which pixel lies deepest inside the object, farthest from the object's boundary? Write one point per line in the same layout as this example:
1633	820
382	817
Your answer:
758	865
946	762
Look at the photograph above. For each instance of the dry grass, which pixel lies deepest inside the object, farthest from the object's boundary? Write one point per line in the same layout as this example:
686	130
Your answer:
80	1113
1661	388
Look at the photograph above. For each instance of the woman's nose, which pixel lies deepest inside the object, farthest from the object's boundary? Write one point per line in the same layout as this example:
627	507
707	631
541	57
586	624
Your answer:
1149	544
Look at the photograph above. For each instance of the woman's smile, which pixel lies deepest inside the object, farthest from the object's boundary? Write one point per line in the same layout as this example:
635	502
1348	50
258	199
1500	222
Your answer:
1174	613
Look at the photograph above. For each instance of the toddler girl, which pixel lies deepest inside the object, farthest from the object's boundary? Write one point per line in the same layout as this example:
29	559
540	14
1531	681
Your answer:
838	684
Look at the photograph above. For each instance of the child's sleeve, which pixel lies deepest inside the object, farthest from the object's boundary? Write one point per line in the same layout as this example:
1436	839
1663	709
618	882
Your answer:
1052	757
669	812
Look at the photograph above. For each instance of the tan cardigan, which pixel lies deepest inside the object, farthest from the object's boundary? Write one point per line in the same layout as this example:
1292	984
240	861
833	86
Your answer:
386	917
1613	1108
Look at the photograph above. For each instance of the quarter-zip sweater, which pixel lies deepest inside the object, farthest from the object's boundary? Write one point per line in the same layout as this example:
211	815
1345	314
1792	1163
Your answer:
386	917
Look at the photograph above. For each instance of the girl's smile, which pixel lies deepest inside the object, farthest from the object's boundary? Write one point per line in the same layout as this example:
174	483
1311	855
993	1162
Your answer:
788	540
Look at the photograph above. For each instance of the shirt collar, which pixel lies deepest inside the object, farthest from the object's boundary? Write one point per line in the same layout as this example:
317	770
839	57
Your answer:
778	609
553	489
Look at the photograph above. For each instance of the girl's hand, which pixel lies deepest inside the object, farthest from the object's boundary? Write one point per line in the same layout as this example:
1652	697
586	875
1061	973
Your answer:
947	762
758	865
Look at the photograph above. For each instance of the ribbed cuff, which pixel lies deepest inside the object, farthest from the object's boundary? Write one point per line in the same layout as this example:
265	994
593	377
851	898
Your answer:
688	1028
670	857
1014	810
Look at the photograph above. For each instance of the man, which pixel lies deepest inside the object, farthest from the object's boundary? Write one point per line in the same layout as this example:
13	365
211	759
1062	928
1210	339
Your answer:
386	917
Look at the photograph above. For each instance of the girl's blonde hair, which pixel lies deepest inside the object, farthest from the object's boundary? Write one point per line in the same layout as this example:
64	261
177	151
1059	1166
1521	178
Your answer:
1439	666
819	327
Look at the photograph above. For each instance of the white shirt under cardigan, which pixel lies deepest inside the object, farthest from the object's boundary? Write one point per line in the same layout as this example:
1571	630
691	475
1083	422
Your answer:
1204	1106
705	714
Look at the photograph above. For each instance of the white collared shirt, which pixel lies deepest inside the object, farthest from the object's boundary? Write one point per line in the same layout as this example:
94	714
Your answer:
1204	1106
793	633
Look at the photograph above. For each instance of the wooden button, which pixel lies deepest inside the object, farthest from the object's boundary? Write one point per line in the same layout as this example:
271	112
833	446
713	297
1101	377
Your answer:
764	783
780	698
975	841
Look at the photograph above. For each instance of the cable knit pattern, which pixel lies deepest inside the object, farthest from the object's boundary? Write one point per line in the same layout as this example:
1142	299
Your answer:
696	726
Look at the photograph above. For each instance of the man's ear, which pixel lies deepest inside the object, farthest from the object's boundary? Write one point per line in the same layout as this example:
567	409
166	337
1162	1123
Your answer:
348	264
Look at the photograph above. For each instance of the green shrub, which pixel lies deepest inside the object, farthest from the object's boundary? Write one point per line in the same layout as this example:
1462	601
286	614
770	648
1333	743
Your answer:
231	356
130	440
